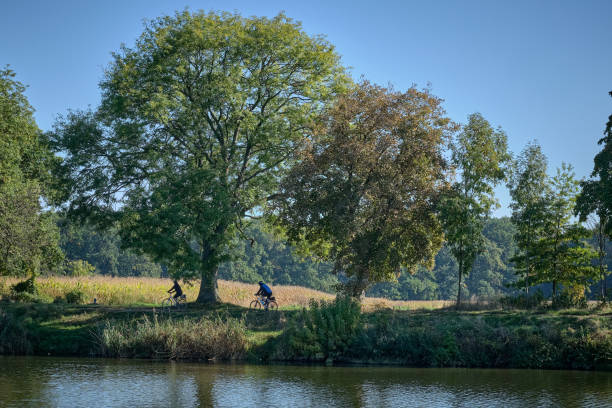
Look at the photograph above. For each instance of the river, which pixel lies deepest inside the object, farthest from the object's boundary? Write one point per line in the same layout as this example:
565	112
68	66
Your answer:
78	382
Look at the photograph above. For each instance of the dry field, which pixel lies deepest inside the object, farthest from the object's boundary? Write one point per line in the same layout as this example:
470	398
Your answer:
125	291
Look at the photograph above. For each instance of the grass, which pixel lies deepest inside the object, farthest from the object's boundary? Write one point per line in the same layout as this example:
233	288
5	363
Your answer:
151	291
127	323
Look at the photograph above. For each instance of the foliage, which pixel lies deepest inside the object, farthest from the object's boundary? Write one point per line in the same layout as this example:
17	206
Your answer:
26	286
263	255
14	337
491	273
479	156
598	193
79	268
197	123
523	301
27	291
76	296
204	339
101	249
562	254
529	187
594	198
325	330
366	188
28	236
571	297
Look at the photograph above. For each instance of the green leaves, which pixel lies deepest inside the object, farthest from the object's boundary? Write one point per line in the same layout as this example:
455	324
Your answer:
197	124
368	183
28	237
479	155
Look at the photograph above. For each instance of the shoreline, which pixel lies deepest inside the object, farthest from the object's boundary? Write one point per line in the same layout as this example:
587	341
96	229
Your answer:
228	333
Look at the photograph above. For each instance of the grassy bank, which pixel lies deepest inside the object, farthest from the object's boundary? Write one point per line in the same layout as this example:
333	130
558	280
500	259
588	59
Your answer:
330	332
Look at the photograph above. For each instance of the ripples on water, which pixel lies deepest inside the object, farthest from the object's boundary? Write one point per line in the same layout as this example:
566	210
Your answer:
55	382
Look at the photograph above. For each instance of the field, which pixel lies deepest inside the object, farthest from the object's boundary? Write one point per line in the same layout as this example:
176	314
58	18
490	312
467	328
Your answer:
151	291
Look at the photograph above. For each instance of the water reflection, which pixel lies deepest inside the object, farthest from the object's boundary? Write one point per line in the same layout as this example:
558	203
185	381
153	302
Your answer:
55	382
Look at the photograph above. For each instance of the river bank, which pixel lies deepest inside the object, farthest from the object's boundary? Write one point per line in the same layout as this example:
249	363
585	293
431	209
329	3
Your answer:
419	338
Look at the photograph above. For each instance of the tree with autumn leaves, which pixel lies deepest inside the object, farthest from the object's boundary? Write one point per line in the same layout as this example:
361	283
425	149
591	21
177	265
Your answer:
367	184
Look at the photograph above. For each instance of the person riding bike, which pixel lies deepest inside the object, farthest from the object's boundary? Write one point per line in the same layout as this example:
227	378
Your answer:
264	291
178	292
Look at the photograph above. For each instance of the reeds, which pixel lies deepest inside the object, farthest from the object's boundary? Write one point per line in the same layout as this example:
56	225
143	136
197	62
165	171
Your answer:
204	339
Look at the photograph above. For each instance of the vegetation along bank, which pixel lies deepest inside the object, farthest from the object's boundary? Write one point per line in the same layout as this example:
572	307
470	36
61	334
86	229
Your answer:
339	331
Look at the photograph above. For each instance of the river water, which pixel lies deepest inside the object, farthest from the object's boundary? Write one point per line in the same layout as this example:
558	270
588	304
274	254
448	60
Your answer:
78	382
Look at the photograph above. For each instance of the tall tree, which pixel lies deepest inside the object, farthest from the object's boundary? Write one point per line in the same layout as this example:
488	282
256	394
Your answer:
369	186
28	236
596	198
564	256
479	156
529	187
196	125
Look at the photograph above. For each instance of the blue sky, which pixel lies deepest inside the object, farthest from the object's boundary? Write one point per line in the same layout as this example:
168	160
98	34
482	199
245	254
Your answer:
539	69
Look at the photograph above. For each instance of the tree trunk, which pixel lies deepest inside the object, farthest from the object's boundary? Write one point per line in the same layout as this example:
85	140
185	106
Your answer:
209	292
459	289
554	291
208	286
602	249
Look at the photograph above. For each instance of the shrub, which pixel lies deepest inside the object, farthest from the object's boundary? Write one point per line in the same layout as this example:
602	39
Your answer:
326	330
523	301
570	297
27	292
75	296
26	286
79	268
13	335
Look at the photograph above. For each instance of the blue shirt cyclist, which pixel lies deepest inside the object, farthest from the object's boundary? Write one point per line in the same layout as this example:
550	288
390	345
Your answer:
265	291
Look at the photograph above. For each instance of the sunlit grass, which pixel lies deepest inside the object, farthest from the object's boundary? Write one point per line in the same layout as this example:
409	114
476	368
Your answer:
151	291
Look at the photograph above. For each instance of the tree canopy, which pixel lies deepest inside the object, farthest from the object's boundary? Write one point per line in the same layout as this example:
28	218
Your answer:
28	236
368	185
479	156
197	123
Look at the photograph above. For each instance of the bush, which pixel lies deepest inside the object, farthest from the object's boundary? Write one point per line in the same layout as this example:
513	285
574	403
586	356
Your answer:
27	292
570	297
26	286
13	335
326	330
523	301
79	268
75	296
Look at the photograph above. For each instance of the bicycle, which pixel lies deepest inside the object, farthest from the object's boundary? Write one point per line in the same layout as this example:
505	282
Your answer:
171	302
261	303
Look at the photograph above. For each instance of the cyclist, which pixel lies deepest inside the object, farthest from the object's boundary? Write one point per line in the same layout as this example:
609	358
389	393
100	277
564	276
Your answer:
265	291
178	292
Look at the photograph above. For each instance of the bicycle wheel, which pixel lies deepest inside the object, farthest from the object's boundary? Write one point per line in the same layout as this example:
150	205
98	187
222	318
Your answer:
272	305
255	305
166	304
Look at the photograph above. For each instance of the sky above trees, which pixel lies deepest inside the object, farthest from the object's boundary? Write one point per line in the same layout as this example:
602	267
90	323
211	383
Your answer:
540	70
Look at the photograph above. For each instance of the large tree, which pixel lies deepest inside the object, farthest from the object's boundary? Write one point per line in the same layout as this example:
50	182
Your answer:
479	156
28	236
197	123
367	188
